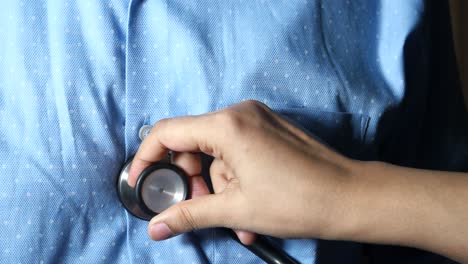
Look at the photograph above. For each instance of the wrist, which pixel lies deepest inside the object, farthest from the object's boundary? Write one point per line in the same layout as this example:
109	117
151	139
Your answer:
393	205
377	209
346	211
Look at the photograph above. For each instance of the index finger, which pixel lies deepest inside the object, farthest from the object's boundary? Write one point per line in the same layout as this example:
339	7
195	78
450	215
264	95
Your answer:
181	134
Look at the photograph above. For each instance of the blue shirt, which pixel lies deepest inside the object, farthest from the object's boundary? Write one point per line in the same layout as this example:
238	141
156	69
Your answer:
79	78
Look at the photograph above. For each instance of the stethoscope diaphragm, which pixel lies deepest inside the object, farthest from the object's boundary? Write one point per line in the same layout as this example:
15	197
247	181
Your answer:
158	187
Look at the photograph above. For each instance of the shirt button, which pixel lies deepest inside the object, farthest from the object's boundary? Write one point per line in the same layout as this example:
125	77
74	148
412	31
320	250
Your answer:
144	131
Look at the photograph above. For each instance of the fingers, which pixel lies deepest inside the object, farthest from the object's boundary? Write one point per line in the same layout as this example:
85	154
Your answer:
188	162
218	171
191	164
209	133
201	212
246	237
198	186
182	134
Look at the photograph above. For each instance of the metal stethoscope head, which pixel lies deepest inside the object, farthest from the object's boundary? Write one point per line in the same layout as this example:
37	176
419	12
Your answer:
157	188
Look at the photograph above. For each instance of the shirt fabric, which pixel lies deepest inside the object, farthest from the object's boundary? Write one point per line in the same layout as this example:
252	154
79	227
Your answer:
374	80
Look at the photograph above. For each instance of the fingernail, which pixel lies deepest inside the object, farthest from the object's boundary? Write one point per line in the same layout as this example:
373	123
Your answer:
160	231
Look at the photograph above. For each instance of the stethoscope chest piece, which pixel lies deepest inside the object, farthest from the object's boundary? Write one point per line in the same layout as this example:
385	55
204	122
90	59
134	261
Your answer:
162	185
158	187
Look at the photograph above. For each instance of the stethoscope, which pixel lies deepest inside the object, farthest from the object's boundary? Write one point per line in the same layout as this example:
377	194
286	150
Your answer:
164	184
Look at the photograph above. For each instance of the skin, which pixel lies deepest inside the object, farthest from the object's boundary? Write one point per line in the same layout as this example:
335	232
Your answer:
267	172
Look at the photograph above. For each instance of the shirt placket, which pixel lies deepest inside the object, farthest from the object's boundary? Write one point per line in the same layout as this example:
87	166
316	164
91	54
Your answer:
148	94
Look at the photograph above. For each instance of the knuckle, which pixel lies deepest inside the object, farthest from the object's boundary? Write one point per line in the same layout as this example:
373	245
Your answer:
206	147
231	120
254	104
256	110
162	122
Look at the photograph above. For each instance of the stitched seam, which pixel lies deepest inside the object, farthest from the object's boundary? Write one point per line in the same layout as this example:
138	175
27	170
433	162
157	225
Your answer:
327	52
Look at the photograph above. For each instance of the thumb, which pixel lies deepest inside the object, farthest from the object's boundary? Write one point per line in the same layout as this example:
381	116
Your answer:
200	212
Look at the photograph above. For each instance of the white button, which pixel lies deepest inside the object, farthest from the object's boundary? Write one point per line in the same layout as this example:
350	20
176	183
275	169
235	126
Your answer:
144	131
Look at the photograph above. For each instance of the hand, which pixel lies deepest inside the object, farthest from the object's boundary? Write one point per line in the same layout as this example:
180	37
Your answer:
269	177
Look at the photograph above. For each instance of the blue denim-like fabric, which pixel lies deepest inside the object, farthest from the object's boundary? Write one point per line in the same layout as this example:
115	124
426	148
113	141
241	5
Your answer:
79	78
